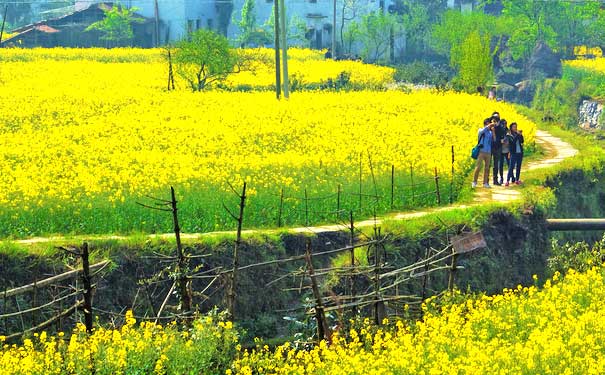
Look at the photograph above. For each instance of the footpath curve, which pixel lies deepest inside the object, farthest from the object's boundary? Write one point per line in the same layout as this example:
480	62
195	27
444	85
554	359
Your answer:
556	150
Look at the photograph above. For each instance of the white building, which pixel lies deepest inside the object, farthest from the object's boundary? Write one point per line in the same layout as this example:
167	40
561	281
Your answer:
177	17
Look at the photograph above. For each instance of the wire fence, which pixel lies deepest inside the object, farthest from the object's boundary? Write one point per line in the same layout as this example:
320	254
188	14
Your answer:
412	194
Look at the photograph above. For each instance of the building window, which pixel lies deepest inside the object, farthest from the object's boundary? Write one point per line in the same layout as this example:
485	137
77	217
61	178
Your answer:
313	1
198	24
269	1
189	26
209	23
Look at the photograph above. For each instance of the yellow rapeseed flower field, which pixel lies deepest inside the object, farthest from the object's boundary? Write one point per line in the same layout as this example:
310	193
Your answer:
597	65
81	140
146	348
554	330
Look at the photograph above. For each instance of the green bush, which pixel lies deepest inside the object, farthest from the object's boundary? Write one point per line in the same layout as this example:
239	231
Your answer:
577	256
559	99
420	72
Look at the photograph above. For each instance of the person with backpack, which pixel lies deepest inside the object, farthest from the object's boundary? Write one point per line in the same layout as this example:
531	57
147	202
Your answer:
485	142
515	142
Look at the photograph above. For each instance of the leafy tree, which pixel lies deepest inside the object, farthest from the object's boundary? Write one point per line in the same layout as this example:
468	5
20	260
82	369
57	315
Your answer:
205	58
573	25
374	34
470	40
449	35
596	31
349	37
349	11
296	28
416	23
533	24
116	26
560	24
250	32
475	63
18	13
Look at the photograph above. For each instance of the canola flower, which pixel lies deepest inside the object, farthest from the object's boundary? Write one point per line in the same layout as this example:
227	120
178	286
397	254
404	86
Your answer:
595	65
554	330
305	65
85	139
584	50
145	348
310	67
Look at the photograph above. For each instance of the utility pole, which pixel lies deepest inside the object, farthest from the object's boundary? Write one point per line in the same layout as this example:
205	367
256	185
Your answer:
284	46
277	64
157	22
334	31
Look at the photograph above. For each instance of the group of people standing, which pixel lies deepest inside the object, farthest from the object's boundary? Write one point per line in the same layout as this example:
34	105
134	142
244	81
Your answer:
504	144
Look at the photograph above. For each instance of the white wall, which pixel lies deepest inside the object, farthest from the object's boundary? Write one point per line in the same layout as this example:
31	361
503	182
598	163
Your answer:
177	16
317	15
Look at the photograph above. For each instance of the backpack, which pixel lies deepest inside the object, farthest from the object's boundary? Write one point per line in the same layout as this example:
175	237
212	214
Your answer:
475	151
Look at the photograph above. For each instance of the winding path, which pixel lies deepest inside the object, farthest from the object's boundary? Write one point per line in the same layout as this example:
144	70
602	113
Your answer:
556	151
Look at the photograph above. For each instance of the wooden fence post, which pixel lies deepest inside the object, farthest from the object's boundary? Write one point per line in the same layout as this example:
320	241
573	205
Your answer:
360	179
20	315
281	207
379	309
426	272
352	255
4	307
437	187
170	72
338	202
182	262
231	296
87	307
452	179
320	316
306	208
392	186
412	182
452	278
34	299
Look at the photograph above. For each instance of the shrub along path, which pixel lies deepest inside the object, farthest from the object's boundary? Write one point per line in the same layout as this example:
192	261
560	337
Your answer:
556	150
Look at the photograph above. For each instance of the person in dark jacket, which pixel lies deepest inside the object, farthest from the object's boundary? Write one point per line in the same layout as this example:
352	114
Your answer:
515	142
500	133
